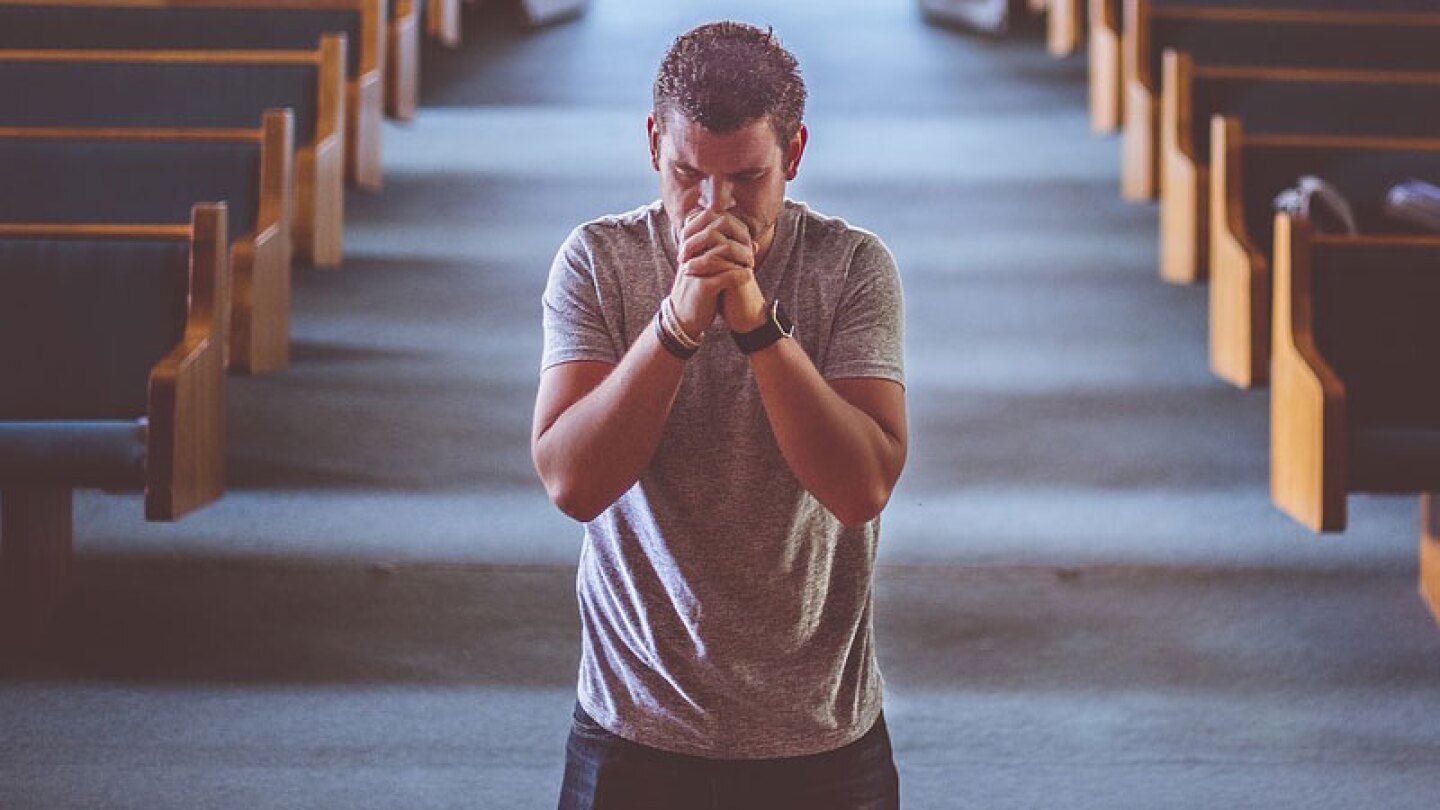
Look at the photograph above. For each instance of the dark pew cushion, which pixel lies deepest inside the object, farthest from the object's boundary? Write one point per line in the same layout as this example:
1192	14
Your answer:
82	323
159	29
109	455
127	182
155	95
1375	325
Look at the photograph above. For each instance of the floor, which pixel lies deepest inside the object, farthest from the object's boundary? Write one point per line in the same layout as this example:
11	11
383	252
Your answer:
1085	597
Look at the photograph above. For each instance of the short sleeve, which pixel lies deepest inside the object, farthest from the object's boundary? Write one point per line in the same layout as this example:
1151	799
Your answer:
574	322
867	338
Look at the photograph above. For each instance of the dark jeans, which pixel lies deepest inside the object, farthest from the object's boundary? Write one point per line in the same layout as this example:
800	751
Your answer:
606	772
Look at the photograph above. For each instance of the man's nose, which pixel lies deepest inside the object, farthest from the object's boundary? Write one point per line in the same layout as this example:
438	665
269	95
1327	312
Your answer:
716	195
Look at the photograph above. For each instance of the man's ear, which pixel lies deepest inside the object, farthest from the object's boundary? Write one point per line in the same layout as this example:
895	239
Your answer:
796	151
652	129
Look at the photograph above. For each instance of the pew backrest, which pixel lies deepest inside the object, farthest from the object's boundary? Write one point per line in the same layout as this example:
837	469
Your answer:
1359	34
139	176
1393	104
1257	168
171	89
115	325
197	25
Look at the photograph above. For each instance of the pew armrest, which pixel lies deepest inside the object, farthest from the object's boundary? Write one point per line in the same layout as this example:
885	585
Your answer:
186	468
1307	402
1239	270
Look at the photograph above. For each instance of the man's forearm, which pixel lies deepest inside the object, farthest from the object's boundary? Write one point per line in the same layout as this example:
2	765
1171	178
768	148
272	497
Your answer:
598	447
839	453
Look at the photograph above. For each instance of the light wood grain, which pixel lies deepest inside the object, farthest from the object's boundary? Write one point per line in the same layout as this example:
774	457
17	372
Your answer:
185	467
442	22
1239	338
1184	180
1307	398
1062	27
402	80
1104	69
1430	551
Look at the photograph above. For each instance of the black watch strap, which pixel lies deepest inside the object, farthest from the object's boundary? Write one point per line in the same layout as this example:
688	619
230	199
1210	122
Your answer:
777	326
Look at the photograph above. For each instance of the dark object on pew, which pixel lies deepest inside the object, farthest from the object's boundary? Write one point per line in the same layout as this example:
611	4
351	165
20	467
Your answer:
548	12
247	25
85	177
1415	202
1267	101
114	379
1247	172
1356	400
190	89
1313	199
985	16
1394	35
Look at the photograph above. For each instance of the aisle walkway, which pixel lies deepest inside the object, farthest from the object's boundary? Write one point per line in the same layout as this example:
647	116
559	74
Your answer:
1086	599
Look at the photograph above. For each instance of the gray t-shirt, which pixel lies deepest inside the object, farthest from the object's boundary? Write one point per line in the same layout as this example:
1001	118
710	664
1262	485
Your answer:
724	612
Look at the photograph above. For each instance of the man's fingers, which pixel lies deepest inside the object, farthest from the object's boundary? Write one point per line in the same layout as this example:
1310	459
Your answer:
720	259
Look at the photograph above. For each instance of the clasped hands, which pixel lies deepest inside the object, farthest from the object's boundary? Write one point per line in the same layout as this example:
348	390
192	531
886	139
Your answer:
717	273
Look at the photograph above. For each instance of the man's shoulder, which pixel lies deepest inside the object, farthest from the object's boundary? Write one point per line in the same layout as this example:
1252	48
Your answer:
633	226
829	235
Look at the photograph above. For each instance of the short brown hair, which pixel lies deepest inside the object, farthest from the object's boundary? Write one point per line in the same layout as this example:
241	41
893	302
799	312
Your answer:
723	75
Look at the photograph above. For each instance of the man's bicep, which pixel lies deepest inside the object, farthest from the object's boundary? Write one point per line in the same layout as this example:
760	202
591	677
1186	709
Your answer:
561	386
881	399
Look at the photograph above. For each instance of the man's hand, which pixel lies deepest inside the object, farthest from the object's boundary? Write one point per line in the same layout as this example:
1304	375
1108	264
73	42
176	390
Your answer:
717	254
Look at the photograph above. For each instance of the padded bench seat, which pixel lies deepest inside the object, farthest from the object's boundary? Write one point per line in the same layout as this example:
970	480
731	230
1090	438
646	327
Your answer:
101	455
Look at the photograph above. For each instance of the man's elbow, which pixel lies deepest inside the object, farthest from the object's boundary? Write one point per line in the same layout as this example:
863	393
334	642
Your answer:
572	500
862	507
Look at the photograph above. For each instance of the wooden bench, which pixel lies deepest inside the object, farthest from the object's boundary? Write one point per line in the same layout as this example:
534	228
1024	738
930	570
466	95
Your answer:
134	176
1386	35
402	41
187	90
1106	96
1355	405
123	390
1062	27
269	25
1247	173
1266	101
442	21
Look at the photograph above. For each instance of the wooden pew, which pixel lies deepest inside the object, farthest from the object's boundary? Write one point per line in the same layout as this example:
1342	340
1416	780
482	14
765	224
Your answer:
187	89
442	21
1247	173
268	25
402	40
1356	401
1265	101
146	412
1385	35
1062	27
69	176
1106	96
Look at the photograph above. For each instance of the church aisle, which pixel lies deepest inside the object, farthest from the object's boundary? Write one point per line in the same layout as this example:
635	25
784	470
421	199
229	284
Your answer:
1085	600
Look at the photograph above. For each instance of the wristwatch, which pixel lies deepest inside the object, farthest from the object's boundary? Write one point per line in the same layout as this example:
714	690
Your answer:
777	326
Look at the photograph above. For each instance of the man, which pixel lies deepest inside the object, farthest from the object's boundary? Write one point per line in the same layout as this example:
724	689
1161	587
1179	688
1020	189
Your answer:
722	405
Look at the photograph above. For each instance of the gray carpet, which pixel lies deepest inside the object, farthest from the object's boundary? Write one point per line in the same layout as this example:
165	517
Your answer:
1086	599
